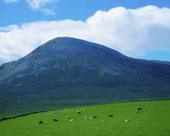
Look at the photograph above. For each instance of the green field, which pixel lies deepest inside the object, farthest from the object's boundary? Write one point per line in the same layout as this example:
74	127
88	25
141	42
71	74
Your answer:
152	120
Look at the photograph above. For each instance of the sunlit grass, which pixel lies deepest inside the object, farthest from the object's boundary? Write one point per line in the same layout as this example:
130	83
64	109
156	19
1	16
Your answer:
152	120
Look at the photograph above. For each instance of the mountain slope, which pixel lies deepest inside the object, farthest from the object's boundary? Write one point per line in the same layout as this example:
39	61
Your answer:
69	72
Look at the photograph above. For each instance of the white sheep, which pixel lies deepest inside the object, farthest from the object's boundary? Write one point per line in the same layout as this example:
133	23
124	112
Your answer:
71	120
127	120
91	118
137	111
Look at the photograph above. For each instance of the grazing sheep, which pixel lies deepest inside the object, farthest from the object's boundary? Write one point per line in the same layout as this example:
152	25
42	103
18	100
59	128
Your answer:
139	108
127	120
93	117
55	120
71	120
110	115
40	122
78	112
67	117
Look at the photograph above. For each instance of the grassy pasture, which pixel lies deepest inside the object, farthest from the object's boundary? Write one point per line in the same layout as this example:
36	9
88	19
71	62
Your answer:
153	120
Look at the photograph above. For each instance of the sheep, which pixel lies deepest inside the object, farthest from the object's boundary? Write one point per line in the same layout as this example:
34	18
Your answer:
93	117
127	120
40	122
110	115
71	120
139	108
137	111
78	112
55	120
67	117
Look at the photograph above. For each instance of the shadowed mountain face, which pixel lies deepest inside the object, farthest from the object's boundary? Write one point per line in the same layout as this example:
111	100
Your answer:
68	72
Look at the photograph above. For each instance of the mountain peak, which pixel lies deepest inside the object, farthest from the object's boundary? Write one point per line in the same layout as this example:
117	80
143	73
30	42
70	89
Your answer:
63	51
70	42
69	47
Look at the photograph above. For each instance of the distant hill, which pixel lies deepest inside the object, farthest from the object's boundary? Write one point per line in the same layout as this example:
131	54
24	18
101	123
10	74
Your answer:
164	62
68	72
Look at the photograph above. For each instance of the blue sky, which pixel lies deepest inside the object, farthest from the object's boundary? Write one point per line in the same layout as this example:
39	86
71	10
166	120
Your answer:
19	15
20	12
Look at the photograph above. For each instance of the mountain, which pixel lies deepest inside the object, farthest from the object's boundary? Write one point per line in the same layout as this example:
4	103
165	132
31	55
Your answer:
66	72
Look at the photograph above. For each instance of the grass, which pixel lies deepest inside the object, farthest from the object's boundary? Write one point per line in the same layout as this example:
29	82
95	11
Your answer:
153	120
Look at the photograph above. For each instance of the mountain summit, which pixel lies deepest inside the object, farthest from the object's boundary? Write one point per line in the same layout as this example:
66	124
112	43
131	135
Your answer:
69	72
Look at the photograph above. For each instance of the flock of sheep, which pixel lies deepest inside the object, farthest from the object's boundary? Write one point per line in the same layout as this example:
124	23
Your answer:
91	117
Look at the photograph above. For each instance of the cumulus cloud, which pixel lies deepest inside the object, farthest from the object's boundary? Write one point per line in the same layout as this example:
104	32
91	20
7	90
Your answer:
133	32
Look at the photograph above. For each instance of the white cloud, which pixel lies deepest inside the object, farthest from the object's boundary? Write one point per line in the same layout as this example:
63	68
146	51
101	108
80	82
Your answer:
11	1
132	32
41	5
37	4
50	12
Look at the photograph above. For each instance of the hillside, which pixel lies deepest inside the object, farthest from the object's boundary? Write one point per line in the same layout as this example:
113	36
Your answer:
66	72
152	120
